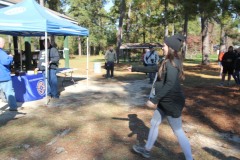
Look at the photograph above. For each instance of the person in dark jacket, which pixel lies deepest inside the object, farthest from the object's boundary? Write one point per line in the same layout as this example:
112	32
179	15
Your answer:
169	98
53	61
228	65
220	55
236	73
5	77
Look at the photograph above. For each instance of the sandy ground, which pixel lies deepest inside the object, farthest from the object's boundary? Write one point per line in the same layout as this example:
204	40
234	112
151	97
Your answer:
224	145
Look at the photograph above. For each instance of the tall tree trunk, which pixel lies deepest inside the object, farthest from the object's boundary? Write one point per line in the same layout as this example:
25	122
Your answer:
144	36
165	18
128	21
94	50
185	33
222	39
210	32
79	46
165	31
15	45
119	34
205	41
185	27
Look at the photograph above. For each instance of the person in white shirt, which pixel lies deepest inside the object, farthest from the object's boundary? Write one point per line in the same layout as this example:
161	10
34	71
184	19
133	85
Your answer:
110	59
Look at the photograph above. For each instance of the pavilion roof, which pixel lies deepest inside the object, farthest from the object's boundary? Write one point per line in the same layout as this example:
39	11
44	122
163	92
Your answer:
140	45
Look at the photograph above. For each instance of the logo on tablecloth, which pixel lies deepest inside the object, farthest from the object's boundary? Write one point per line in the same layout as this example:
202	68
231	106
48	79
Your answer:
41	87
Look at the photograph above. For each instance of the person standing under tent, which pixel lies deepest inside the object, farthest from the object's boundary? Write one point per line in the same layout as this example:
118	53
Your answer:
169	99
151	58
53	61
110	58
5	77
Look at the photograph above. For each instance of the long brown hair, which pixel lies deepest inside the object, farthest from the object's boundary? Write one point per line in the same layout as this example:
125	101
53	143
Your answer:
170	57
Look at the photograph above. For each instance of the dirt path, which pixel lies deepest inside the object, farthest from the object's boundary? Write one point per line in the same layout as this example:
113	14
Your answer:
126	99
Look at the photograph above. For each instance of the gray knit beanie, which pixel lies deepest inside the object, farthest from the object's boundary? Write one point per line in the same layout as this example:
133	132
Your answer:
175	41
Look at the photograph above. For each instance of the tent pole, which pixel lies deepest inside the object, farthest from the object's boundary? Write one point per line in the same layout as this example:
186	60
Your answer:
66	51
87	59
21	68
46	68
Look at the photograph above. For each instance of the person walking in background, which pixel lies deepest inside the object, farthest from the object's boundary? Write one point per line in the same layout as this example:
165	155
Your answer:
5	77
169	98
53	62
220	56
228	65
110	58
143	61
236	73
151	58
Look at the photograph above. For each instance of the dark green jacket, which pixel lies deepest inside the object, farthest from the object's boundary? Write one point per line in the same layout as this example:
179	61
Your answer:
169	95
53	56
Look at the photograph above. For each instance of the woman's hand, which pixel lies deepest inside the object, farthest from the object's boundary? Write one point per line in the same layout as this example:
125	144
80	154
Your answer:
150	104
129	69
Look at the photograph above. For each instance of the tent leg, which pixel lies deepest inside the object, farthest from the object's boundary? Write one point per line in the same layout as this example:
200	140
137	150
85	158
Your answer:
87	59
46	69
66	52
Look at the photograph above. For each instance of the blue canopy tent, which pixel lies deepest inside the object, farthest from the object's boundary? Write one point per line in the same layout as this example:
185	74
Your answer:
28	18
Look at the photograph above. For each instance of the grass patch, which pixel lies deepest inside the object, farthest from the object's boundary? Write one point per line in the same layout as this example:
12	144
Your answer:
197	59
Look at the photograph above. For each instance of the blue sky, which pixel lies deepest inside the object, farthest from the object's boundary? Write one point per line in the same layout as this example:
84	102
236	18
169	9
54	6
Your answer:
108	6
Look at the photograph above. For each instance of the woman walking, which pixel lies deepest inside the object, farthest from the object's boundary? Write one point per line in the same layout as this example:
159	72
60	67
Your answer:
169	99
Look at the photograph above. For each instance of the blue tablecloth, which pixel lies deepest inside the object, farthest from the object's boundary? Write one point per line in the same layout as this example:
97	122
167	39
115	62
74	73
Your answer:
29	87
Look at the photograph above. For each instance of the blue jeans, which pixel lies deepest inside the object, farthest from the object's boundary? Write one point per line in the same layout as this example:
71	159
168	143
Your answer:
7	88
236	76
52	85
110	69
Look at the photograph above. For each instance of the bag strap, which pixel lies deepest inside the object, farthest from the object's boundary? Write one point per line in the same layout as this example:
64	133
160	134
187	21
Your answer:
155	79
149	55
